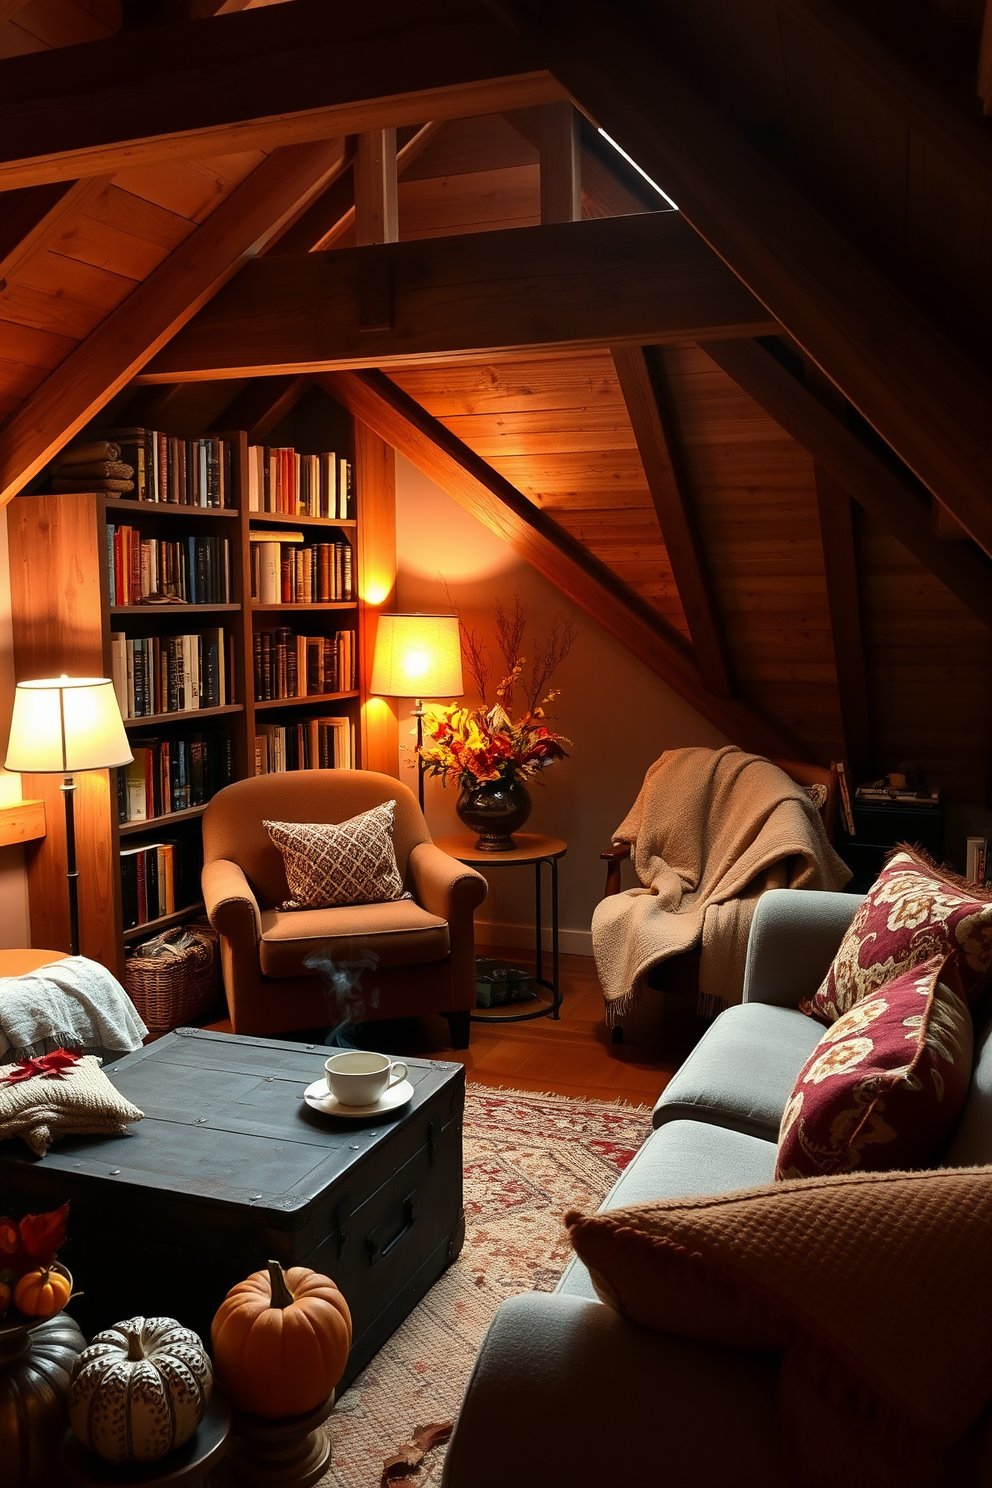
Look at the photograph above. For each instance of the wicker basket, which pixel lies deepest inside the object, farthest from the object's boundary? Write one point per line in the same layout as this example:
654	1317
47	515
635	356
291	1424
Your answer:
174	978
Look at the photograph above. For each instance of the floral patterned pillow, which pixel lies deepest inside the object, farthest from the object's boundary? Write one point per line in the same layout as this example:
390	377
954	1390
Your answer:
914	910
886	1083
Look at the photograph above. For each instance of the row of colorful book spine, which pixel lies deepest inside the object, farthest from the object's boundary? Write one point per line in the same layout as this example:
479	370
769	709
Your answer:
281	480
177	472
191	570
172	673
157	878
287	665
304	744
284	573
169	775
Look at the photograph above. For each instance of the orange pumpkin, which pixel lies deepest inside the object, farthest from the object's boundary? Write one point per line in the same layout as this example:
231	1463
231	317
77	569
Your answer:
281	1341
43	1292
6	1293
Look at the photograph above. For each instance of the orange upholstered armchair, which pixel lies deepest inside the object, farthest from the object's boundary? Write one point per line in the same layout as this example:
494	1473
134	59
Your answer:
419	953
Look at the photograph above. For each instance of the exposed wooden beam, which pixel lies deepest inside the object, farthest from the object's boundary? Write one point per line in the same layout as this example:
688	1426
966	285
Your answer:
278	75
561	170
132	333
871	482
642	383
587	582
260	405
376	209
924	399
840	567
30	220
573	284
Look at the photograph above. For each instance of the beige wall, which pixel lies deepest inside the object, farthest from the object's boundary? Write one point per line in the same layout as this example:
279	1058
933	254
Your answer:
14	930
618	715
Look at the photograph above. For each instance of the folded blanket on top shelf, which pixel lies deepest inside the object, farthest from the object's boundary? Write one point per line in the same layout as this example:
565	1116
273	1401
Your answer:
70	1004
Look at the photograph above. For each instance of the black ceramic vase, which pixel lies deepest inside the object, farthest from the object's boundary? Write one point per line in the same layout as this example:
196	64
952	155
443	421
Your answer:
495	809
35	1363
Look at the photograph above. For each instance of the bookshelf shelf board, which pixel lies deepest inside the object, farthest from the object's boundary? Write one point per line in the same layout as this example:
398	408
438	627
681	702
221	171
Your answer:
179	609
301	702
187	715
154	823
285	520
321	604
167	508
151	927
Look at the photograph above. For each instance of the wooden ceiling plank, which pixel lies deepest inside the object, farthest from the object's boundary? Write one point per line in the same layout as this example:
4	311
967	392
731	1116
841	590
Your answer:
133	332
584	580
260	405
561	163
924	399
642	382
55	207
306	71
9	8
872	484
567	285
840	567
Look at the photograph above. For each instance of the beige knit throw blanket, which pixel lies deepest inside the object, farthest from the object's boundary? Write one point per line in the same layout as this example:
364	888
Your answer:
711	831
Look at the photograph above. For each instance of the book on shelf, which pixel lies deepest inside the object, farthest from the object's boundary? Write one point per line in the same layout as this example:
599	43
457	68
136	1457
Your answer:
282	572
172	673
305	744
157	878
168	775
176	472
194	569
286	665
976	859
879	794
845	796
283	481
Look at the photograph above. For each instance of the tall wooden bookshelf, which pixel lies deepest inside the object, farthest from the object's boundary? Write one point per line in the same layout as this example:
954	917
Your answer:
62	622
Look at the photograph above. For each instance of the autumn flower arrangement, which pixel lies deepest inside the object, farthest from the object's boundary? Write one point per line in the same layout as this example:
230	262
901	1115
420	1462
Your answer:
32	1284
476	746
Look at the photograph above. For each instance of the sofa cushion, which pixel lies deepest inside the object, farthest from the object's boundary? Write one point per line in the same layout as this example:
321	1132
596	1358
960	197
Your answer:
892	1321
682	1158
742	1071
886	1083
913	911
332	863
396	934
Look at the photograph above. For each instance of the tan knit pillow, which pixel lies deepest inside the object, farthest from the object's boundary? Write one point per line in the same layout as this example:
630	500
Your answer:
79	1101
329	864
876	1285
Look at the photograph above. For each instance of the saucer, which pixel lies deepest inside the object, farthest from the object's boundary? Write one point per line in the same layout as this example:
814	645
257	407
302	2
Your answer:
319	1098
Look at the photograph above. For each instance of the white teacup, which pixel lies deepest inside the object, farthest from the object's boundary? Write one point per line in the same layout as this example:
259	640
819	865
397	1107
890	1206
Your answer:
360	1079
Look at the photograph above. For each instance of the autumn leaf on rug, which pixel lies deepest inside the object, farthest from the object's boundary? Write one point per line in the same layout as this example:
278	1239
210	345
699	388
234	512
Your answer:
528	1158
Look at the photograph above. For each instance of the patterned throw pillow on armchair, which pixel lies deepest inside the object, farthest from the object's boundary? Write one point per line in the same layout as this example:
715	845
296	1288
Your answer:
329	864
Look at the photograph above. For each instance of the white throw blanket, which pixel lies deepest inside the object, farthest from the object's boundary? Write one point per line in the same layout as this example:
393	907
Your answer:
711	830
69	1004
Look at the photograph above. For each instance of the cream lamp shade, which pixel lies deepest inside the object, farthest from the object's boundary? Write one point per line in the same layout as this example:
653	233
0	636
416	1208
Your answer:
417	656
64	724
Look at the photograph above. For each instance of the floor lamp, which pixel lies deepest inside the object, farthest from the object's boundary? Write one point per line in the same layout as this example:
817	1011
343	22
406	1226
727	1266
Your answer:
61	725
418	656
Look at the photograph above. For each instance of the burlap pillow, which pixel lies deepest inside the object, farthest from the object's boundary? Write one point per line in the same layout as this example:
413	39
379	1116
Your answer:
914	910
329	864
887	1081
78	1101
875	1286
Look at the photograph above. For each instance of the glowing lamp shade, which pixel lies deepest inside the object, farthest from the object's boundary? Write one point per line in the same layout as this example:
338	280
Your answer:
64	724
417	656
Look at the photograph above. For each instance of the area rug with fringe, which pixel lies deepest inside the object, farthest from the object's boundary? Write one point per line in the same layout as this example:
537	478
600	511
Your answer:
528	1158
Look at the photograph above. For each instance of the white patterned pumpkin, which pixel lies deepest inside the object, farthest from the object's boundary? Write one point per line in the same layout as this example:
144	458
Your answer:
139	1390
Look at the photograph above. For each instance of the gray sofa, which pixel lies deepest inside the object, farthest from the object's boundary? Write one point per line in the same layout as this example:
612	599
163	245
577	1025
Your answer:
564	1389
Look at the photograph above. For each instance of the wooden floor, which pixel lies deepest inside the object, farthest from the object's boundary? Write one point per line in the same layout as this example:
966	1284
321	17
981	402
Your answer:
572	1056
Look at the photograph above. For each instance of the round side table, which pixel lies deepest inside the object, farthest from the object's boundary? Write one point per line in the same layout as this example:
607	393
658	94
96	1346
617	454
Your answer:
187	1466
530	849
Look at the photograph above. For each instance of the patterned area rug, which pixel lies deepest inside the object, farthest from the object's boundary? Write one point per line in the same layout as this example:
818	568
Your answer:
528	1158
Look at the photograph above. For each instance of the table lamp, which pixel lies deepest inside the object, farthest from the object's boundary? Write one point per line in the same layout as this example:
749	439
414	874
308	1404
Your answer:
418	656
61	725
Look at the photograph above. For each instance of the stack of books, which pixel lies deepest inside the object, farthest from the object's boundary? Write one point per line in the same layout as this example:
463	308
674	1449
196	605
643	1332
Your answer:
288	665
306	744
282	572
280	480
195	570
176	472
168	775
95	465
173	673
157	878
